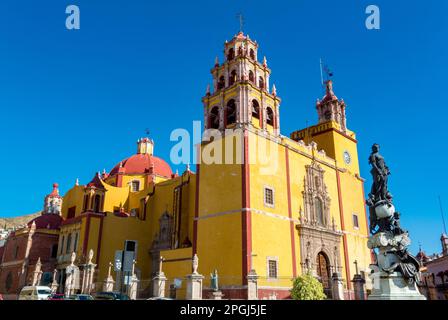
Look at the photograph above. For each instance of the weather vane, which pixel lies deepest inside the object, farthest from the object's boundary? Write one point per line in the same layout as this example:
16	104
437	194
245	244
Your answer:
241	19
324	69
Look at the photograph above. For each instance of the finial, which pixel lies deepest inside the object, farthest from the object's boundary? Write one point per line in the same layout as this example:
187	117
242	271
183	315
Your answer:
274	90
329	88
216	61
121	164
77	182
99	174
104	172
188	167
207	92
177	172
265	61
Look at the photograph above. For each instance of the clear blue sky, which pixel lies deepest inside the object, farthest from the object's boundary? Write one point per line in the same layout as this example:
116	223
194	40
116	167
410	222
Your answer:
74	102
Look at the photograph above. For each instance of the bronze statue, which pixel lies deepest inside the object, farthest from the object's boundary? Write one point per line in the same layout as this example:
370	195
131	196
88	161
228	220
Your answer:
379	172
385	221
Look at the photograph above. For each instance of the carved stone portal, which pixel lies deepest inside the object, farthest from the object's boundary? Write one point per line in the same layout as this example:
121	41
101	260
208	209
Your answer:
319	239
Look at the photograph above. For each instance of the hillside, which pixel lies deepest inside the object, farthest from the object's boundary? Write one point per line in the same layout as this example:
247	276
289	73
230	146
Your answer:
17	221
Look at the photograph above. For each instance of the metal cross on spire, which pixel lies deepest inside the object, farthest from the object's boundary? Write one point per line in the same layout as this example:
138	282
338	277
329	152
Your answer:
241	19
147	132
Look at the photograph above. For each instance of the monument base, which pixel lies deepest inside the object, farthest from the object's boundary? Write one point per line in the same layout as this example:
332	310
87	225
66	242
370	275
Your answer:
394	287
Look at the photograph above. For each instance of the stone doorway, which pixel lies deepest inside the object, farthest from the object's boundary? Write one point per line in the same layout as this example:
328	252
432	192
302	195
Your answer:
323	271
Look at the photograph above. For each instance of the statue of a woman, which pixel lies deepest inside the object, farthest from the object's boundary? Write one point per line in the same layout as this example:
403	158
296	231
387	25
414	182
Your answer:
214	280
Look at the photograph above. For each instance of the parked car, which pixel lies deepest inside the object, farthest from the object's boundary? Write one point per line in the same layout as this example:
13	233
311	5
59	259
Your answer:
80	297
160	298
56	296
35	293
111	296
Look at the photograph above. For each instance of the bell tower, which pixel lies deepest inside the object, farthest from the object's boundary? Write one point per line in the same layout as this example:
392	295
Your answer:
240	95
330	108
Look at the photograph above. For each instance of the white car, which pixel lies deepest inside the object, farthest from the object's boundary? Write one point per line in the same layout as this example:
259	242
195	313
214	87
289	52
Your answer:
35	293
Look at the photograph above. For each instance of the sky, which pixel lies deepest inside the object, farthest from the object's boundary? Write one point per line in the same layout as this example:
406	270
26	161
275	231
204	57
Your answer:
74	102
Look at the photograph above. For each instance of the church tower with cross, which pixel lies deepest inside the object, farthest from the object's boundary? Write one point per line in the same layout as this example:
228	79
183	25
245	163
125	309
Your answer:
286	206
241	92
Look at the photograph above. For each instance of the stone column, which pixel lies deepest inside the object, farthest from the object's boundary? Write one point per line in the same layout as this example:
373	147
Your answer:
133	283
108	284
54	284
194	282
252	285
358	286
37	274
337	286
158	282
89	270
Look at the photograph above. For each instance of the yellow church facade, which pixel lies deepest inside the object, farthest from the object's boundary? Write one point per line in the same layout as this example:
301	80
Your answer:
258	203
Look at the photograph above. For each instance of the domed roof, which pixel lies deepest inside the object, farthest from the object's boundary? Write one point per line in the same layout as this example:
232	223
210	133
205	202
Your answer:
47	221
141	164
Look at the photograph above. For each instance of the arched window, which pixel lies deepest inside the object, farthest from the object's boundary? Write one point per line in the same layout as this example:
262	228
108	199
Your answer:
62	244
319	210
214	118
252	54
221	83
231	54
251	76
85	205
97	203
261	82
69	242
323	270
232	77
54	251
255	109
75	245
231	112
270	116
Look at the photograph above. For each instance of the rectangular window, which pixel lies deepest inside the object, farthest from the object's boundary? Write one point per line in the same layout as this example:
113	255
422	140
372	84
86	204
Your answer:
130	245
272	269
135	186
355	221
142	208
268	197
71	212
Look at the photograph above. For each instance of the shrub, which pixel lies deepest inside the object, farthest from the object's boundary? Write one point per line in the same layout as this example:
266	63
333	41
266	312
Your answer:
307	287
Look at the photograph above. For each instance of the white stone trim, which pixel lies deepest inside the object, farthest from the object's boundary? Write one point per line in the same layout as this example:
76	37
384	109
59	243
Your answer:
272	258
268	214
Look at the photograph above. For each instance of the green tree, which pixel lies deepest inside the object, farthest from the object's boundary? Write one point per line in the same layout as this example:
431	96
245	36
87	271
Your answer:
307	287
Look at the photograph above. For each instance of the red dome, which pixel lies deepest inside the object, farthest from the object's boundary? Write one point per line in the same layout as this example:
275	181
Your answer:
47	221
141	164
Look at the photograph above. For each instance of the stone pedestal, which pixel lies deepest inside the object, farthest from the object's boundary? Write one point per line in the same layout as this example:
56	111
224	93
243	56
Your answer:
390	286
133	287
54	287
194	286
252	285
108	284
158	285
393	287
358	286
337	286
216	295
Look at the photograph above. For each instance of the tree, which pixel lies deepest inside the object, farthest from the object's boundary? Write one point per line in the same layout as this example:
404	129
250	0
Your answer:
307	287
